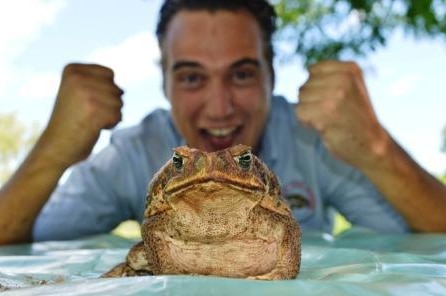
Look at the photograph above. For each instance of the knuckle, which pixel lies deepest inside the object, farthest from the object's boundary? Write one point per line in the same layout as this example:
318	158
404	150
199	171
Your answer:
330	107
300	111
354	68
339	92
120	103
85	92
312	68
301	90
90	107
119	116
345	82
103	70
112	120
109	72
69	68
72	68
117	91
74	76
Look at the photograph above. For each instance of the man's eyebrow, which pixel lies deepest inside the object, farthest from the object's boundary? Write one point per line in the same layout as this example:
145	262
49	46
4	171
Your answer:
185	63
181	64
246	61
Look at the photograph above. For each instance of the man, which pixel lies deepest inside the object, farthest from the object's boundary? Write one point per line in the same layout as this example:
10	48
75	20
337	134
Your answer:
329	151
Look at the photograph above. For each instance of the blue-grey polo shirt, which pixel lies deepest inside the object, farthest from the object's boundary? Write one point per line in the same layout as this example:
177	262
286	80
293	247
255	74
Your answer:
110	187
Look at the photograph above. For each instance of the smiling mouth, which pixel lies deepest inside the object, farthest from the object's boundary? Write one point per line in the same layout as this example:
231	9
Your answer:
220	138
220	132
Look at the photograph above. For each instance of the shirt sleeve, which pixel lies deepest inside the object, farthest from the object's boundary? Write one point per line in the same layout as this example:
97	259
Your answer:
354	196
91	200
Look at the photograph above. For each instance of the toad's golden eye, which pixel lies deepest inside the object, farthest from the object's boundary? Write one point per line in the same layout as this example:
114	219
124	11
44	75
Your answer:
244	160
177	161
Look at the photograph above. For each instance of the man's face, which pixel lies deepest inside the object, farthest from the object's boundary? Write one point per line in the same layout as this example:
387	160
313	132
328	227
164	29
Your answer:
216	78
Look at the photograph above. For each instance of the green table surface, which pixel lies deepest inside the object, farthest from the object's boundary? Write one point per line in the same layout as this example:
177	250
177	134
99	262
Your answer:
356	262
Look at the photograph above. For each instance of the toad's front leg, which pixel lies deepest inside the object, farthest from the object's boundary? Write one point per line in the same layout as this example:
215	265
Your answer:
286	231
136	264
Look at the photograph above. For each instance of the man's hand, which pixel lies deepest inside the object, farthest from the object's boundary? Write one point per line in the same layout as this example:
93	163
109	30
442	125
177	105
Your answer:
87	102
335	102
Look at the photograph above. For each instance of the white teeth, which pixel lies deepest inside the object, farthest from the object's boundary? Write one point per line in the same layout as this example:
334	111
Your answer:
221	132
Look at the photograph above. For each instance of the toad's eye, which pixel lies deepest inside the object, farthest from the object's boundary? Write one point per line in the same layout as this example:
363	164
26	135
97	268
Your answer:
244	160
177	161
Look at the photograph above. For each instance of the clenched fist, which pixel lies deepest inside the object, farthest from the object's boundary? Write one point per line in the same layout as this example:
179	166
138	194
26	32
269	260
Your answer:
335	102
87	102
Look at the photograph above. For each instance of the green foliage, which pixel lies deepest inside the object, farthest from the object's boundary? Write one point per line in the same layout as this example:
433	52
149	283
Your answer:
339	29
340	224
130	229
15	140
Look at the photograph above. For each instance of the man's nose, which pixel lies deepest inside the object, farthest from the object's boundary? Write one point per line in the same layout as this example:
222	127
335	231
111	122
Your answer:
219	104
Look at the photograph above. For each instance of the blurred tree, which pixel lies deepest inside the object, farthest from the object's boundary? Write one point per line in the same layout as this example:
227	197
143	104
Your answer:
339	29
15	140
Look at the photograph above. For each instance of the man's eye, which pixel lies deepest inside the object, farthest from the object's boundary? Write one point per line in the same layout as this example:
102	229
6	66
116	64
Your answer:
190	80
243	76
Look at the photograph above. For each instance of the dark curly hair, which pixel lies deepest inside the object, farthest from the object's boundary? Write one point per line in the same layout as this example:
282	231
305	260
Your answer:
262	11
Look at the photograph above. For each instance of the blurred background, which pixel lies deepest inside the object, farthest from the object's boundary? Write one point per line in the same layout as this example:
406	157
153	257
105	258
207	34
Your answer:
400	45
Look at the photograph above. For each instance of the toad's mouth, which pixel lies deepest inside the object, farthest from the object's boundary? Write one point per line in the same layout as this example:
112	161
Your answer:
220	138
215	182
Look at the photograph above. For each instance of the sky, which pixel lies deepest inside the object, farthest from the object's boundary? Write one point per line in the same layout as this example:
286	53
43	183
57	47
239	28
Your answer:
39	37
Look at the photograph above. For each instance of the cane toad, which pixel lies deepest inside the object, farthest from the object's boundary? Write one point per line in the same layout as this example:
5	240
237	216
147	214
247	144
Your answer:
216	213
